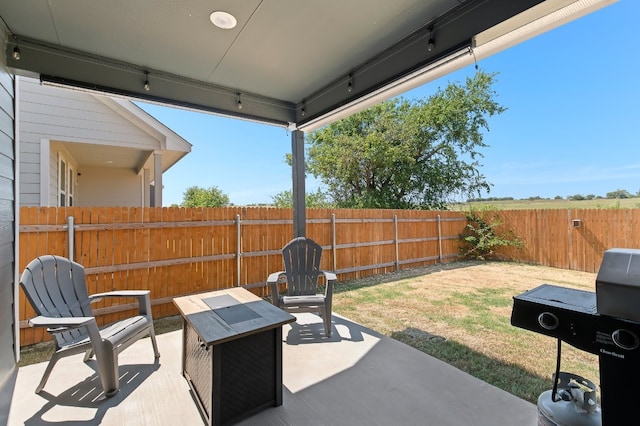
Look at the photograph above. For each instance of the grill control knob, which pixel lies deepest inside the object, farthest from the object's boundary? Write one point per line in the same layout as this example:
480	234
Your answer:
548	321
625	339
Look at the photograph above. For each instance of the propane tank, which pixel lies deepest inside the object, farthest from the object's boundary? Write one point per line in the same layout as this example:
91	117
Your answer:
573	404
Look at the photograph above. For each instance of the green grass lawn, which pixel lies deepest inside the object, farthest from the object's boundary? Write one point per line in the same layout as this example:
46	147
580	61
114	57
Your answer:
460	313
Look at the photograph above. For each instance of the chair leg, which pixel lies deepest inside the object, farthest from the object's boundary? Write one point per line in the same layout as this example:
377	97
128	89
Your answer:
87	355
152	335
327	320
108	368
54	358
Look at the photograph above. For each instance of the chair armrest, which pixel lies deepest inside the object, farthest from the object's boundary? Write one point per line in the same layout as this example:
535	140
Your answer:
57	325
143	296
331	279
330	276
119	293
274	277
272	282
65	322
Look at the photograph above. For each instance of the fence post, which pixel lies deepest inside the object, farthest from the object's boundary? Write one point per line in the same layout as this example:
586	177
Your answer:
238	249
333	240
395	238
71	234
439	241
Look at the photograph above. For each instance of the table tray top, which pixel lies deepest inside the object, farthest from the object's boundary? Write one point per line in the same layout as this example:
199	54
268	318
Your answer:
229	314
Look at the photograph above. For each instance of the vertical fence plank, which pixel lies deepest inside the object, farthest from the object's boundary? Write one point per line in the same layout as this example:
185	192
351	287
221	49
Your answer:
28	251
119	245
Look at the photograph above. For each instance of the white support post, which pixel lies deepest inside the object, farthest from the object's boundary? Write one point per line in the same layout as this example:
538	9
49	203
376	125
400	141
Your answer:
157	179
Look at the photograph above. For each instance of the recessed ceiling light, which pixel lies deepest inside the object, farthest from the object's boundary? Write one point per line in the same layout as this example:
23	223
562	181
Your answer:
223	20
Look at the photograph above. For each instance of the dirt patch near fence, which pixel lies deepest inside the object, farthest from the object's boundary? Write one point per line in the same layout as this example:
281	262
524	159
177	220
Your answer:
487	274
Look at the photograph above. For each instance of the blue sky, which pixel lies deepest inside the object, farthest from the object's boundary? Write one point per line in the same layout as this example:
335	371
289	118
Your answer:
571	126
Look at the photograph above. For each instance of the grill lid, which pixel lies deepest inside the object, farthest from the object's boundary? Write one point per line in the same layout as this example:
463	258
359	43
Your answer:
618	284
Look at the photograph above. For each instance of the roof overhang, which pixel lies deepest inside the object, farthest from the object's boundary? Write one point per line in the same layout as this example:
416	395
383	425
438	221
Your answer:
293	64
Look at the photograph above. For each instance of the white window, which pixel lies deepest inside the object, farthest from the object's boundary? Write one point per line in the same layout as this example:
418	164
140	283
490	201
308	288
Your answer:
65	184
71	185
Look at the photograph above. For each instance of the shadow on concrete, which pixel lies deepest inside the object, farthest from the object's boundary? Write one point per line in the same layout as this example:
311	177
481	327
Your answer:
88	397
305	332
509	377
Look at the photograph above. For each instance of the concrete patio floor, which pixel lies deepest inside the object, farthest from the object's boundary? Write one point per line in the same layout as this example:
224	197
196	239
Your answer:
356	377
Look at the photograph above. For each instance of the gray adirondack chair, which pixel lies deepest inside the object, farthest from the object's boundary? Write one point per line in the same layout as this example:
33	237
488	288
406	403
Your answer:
301	257
55	287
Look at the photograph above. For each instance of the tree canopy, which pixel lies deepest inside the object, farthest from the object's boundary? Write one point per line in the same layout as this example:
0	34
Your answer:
195	196
619	193
407	154
317	200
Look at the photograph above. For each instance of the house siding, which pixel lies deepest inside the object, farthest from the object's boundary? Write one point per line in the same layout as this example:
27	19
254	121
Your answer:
72	116
60	115
7	224
93	188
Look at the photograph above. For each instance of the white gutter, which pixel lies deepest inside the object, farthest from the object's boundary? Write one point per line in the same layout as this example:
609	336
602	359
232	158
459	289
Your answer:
530	23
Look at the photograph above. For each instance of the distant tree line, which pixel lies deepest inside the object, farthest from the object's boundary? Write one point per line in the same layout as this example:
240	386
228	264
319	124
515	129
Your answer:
613	195
472	200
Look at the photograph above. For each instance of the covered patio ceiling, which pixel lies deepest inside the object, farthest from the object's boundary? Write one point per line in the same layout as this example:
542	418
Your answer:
296	64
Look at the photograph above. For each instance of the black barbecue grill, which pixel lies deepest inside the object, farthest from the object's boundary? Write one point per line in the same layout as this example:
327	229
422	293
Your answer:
605	323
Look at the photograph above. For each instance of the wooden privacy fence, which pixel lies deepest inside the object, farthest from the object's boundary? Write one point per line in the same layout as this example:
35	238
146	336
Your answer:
570	239
177	251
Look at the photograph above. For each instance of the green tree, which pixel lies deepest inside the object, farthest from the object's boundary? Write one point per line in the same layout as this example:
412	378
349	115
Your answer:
408	154
619	193
318	200
195	196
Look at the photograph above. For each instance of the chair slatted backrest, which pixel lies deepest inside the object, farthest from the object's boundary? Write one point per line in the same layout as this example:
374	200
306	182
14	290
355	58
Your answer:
301	258
55	287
